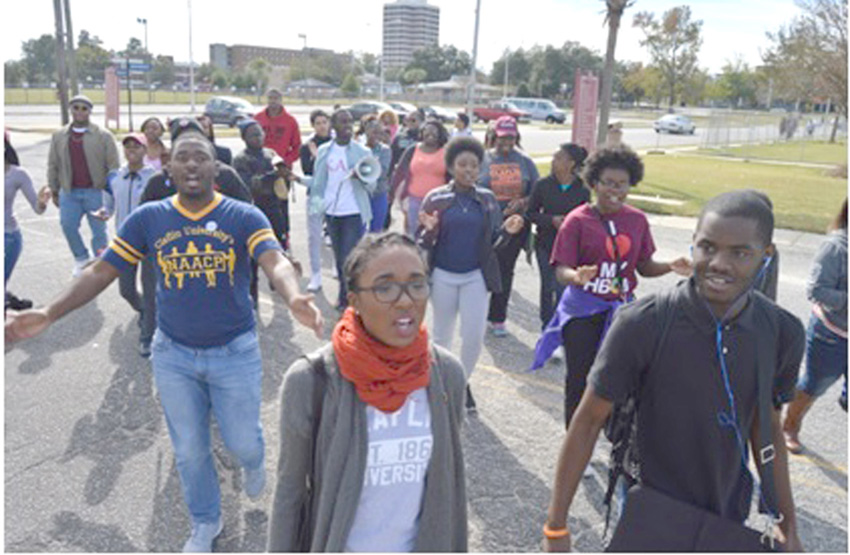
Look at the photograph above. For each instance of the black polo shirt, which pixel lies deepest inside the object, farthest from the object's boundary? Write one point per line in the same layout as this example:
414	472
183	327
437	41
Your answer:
683	449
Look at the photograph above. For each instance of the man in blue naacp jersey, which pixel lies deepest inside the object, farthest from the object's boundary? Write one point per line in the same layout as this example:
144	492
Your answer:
205	352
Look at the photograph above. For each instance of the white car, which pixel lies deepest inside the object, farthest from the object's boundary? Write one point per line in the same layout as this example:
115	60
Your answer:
674	123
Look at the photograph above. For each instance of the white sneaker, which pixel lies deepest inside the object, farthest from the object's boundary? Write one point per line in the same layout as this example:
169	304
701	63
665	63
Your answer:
203	536
315	283
328	242
81	265
558	354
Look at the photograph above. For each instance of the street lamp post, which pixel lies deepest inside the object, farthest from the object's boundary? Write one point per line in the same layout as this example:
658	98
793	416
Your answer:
191	62
470	94
507	65
304	37
144	21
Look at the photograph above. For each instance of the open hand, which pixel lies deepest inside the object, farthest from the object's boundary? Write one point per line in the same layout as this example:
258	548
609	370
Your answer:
307	313
100	213
514	224
429	221
25	324
682	266
44	195
586	273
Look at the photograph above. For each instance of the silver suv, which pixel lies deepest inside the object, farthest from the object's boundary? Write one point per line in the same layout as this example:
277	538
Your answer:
540	109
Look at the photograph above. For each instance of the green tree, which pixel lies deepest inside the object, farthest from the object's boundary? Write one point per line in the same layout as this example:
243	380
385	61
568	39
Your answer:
414	76
552	68
87	39
39	59
134	48
673	42
14	73
736	84
643	82
220	79
519	69
440	62
259	68
808	56
523	91
163	70
350	85
369	62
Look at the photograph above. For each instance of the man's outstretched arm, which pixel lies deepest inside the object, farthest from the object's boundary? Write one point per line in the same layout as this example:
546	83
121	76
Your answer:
29	323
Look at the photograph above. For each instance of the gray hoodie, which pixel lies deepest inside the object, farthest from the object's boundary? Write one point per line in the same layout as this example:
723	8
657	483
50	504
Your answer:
827	285
340	460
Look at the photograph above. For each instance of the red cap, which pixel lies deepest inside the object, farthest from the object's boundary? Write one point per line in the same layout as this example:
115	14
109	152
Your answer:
138	137
506	126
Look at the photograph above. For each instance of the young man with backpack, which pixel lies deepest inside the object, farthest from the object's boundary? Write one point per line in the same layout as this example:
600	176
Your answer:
708	364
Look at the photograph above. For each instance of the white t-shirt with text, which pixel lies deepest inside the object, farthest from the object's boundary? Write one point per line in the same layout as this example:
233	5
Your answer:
339	194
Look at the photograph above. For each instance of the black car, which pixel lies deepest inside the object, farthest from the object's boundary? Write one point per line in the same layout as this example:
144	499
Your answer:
360	109
229	109
443	114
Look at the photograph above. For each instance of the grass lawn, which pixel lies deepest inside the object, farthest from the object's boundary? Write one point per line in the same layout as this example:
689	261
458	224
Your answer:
816	152
803	198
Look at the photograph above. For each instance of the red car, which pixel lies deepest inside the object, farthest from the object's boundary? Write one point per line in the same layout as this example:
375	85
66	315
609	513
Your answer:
499	109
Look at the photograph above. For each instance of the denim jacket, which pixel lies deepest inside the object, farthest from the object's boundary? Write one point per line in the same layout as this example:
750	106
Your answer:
317	183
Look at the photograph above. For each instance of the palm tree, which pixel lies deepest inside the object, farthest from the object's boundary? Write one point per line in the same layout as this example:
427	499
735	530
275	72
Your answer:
614	13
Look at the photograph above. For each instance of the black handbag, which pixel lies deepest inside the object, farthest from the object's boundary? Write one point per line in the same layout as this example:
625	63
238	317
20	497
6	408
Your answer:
655	522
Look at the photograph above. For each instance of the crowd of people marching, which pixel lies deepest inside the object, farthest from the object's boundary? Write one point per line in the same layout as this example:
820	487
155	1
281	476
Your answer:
370	455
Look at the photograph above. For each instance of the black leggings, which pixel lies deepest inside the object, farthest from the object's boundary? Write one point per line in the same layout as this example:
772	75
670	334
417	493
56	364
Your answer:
507	254
581	338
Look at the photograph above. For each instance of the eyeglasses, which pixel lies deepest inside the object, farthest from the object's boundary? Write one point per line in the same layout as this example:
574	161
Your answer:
611	184
390	292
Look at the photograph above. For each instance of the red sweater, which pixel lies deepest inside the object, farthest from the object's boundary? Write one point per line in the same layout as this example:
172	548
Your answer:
282	134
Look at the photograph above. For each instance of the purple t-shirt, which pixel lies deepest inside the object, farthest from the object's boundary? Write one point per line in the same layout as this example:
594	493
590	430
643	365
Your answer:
585	239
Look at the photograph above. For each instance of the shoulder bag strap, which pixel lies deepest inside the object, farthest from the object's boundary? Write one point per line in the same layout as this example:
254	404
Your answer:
766	366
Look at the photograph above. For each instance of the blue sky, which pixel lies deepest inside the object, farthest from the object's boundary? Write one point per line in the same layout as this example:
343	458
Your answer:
730	27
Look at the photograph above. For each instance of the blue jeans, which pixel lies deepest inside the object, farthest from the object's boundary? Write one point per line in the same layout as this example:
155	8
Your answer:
13	243
826	359
345	232
73	205
380	206
413	205
190	382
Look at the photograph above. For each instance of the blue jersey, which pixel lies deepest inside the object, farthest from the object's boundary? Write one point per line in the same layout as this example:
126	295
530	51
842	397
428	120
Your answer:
202	263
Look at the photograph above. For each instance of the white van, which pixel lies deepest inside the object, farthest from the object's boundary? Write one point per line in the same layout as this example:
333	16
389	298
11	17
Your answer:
539	108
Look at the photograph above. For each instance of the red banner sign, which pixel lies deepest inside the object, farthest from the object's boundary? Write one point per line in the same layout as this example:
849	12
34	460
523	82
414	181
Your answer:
585	99
112	88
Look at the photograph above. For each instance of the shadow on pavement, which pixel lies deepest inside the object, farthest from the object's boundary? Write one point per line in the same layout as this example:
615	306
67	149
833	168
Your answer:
127	422
74	332
827	468
829	538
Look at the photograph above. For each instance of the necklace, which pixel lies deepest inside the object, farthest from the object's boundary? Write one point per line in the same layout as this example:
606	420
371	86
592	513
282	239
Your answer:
464	207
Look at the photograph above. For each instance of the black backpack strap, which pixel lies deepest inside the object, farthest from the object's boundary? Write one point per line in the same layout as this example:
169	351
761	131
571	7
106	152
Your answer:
621	428
766	361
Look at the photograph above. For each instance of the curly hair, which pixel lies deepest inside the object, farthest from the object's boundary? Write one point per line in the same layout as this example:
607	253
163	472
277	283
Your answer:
577	153
442	132
616	157
390	115
369	247
463	144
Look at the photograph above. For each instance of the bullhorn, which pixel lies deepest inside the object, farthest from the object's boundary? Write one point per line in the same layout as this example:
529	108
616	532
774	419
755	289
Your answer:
367	170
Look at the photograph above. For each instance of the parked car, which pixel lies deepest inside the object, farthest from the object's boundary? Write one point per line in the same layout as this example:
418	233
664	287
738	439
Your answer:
229	109
402	108
498	109
443	114
541	109
360	109
674	123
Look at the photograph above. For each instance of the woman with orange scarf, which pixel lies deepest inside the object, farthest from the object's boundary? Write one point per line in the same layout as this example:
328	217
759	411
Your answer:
370	453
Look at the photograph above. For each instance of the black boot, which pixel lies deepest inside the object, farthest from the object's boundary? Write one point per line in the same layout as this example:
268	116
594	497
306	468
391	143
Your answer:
470	401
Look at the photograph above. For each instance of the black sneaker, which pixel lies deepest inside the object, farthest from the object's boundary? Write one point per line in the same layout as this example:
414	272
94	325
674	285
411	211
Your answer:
15	303
842	402
470	401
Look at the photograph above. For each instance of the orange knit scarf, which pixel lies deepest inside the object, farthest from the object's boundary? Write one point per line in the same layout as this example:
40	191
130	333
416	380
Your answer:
382	375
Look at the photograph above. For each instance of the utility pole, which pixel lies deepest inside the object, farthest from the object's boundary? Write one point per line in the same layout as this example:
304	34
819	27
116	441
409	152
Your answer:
72	58
191	62
60	61
148	58
470	92
129	93
507	71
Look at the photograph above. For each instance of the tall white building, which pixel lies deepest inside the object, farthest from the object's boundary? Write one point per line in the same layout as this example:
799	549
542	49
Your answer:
409	25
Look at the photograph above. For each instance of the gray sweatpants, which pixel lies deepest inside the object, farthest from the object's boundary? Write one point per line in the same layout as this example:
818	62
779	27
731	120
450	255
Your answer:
465	295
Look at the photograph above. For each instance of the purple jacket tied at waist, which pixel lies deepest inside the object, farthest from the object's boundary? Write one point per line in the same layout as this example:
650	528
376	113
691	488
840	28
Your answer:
574	303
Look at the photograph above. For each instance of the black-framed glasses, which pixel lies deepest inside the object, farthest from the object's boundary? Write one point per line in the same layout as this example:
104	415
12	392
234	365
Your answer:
391	291
613	184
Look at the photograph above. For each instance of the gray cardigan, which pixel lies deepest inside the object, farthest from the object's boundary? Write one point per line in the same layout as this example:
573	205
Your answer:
340	461
827	284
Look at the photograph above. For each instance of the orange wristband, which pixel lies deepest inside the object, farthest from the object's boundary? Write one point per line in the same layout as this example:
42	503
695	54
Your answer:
555	534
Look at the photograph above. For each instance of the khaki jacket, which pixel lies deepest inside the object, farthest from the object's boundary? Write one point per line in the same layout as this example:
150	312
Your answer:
101	156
